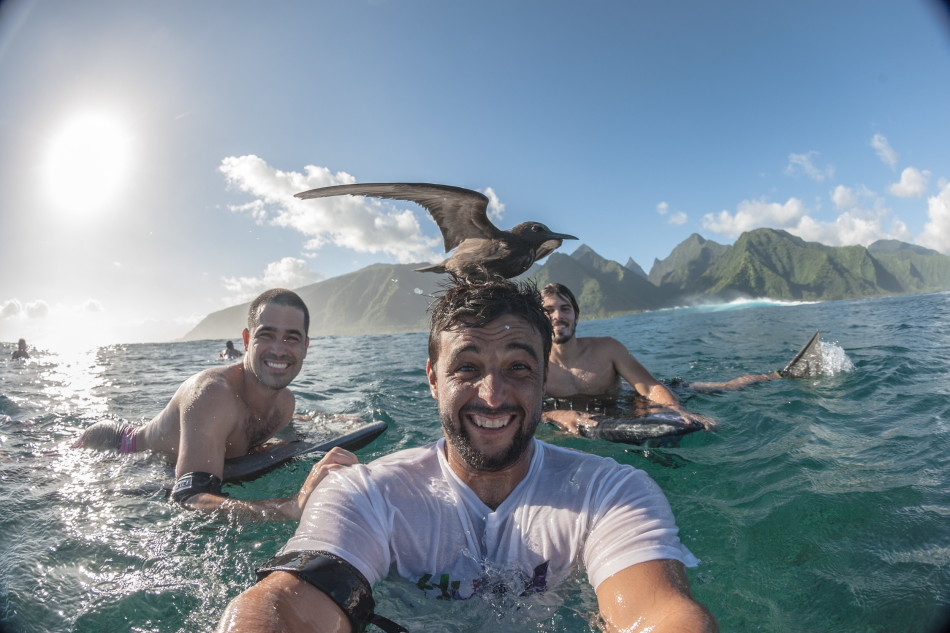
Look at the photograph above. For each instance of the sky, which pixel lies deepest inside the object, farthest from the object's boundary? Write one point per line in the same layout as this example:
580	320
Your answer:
149	151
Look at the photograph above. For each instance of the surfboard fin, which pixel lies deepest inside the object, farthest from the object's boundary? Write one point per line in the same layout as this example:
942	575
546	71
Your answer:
807	361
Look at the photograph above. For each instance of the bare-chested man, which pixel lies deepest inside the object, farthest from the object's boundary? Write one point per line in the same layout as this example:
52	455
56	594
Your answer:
229	353
20	352
228	411
593	366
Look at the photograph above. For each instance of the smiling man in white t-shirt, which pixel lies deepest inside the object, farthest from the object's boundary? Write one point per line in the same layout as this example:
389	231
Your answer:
486	508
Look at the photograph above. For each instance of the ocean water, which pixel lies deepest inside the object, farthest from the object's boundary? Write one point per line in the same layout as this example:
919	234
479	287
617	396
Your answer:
819	505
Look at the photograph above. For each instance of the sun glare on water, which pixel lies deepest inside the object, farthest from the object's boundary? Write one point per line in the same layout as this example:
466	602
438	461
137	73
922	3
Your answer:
87	163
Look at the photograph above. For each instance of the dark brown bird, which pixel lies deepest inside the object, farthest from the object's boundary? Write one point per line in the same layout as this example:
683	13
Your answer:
482	250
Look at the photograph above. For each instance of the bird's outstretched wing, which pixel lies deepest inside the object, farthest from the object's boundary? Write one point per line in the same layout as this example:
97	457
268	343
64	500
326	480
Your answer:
460	213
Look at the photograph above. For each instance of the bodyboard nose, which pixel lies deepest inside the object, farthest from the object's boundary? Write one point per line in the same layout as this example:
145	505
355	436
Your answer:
808	361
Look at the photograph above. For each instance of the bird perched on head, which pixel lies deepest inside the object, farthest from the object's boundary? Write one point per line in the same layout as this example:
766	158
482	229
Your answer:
482	250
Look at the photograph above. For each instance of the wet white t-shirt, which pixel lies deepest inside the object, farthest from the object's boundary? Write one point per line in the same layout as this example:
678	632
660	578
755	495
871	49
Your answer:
409	514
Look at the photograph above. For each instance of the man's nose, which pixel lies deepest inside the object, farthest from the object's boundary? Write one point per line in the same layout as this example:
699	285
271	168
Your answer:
493	389
282	346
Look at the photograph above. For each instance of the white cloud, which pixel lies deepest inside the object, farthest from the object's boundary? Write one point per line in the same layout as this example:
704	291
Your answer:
289	272
913	183
884	150
93	306
37	309
848	229
755	214
14	309
805	163
677	218
843	197
363	224
11	309
936	233
861	220
496	208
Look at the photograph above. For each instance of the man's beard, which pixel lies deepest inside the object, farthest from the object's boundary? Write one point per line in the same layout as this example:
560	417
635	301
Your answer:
567	335
264	378
458	437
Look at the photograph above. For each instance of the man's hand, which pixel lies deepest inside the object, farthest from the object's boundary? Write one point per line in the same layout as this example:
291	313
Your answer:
570	421
708	423
335	459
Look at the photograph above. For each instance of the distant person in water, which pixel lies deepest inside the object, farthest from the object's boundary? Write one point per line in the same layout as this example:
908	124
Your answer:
593	366
229	353
20	352
228	411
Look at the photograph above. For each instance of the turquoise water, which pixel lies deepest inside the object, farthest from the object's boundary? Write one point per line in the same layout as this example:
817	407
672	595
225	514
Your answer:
820	505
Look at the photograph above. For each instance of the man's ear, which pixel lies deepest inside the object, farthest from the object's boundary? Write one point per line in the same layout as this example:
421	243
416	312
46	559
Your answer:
246	337
430	374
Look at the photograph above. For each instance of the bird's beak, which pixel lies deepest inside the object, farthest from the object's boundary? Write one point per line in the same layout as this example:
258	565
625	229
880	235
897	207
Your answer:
560	236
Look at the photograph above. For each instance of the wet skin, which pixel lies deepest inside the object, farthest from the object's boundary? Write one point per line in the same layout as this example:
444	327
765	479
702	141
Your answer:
226	411
489	383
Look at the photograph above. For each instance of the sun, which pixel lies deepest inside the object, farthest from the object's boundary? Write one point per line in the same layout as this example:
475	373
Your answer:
87	163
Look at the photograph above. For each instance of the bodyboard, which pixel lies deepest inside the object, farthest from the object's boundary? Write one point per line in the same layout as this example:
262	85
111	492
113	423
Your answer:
273	455
651	429
807	362
627	419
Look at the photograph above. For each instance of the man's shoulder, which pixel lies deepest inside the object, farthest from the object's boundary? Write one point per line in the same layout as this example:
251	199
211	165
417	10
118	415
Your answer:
406	457
399	471
601	477
599	344
214	382
216	374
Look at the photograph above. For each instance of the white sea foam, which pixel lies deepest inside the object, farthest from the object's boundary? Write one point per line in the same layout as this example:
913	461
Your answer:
739	304
834	360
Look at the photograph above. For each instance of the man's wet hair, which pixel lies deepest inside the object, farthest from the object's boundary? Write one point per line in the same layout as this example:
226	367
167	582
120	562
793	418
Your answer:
477	304
563	291
280	296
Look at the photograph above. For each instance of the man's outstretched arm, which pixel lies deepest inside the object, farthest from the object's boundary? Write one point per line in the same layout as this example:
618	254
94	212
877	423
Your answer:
279	509
631	370
652	596
282	603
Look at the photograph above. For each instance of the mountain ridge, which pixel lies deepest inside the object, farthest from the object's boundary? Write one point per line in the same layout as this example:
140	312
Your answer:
763	263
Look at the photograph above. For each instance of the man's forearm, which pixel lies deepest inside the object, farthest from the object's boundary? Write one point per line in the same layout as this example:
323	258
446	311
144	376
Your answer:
283	509
660	394
281	603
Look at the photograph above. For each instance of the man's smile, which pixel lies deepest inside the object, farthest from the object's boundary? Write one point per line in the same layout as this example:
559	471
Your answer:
491	422
491	418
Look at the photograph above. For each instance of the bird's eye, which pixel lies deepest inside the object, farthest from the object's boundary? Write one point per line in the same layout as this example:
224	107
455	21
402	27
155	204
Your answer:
536	228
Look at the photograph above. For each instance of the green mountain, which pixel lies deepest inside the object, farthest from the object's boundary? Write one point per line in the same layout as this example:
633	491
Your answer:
635	267
916	268
378	299
388	298
776	264
686	263
603	287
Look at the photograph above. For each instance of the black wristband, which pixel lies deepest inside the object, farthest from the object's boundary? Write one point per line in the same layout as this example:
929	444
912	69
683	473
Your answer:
339	580
191	484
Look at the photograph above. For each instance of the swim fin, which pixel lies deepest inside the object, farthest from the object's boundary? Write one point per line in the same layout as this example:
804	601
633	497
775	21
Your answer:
807	362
